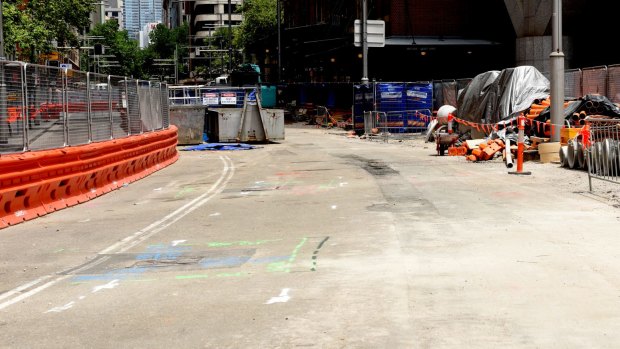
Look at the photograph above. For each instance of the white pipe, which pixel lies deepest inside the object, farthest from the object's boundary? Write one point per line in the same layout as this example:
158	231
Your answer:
509	161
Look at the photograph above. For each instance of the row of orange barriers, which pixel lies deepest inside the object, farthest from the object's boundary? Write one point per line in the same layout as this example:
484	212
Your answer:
35	184
49	111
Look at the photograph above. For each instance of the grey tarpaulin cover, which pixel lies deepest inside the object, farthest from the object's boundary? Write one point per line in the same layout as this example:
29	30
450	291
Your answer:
494	96
472	101
518	88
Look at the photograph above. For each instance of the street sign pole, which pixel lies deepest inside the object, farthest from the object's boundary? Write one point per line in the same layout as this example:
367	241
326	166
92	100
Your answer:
4	127
364	35
557	73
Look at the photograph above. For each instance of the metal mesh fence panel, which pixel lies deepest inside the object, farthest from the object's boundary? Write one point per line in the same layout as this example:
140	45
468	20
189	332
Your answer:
449	92
133	107
76	92
44	98
594	81
44	107
603	154
572	84
146	113
155	103
613	83
99	107
461	84
165	107
118	94
13	116
438	100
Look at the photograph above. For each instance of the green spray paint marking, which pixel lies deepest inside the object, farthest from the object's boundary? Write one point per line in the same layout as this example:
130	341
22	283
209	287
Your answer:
285	267
227	275
196	276
330	185
184	191
277	267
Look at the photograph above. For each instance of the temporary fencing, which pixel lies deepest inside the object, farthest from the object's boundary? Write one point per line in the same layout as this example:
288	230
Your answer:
601	143
407	106
213	97
45	107
68	136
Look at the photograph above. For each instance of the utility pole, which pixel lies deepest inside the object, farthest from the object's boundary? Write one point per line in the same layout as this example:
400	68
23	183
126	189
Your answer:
4	127
229	37
364	28
1	33
557	73
279	9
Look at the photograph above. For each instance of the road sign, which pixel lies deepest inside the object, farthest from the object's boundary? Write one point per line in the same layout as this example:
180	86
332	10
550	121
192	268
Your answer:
376	33
66	65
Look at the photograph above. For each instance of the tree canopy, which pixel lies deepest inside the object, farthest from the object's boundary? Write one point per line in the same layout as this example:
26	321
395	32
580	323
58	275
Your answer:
31	27
164	41
259	27
132	60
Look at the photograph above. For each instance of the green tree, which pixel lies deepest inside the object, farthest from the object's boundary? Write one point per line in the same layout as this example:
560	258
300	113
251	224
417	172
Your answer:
165	41
30	27
258	30
132	60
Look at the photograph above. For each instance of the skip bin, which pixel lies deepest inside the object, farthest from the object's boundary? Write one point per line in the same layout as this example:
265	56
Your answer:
190	121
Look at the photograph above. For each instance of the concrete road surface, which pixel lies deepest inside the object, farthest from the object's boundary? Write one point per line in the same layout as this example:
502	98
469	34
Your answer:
320	242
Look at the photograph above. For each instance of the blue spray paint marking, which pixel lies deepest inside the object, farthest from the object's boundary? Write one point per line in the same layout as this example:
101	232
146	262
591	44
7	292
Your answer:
121	274
162	252
226	262
270	259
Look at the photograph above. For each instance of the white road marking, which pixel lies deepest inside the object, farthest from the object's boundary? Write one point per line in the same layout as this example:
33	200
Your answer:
141	235
110	285
177	242
23	287
31	292
61	309
215	214
282	298
334	207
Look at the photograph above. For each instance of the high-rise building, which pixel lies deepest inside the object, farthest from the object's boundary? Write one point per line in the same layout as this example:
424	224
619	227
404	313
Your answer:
205	16
138	13
114	10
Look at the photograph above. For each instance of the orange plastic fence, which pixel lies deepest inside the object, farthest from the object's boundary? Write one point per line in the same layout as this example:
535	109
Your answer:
35	184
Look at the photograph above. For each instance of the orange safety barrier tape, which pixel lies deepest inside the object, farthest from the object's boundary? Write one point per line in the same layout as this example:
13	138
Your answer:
34	184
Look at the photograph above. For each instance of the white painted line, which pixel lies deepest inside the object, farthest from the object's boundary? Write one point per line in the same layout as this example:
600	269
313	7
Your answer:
215	214
282	298
143	234
177	242
31	292
182	211
110	285
23	287
334	207
217	188
61	309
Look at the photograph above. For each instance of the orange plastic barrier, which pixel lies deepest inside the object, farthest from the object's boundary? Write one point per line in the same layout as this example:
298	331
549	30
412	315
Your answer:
38	183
